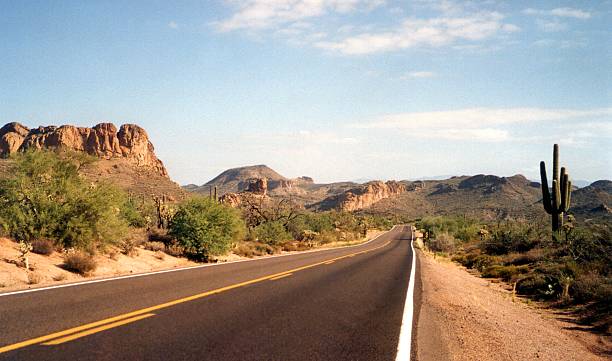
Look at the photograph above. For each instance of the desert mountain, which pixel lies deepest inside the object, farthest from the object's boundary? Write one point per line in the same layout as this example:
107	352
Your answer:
126	156
481	195
301	189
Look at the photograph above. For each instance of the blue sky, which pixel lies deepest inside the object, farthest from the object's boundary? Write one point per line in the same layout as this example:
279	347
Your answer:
333	89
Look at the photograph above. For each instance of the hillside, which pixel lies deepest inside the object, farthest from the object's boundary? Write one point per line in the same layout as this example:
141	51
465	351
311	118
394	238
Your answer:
302	189
123	156
487	196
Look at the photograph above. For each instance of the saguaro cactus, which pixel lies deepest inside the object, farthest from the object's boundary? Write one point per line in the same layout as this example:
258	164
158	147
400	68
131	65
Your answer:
559	202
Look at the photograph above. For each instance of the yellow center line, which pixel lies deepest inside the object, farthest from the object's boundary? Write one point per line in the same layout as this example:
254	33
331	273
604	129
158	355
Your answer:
279	277
91	331
329	262
142	311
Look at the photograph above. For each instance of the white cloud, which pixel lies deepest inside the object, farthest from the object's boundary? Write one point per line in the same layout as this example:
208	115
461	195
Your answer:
571	13
551	26
418	74
482	124
261	14
173	25
560	12
414	32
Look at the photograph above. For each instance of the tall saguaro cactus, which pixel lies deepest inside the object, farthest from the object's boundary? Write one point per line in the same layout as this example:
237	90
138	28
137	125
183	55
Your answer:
559	202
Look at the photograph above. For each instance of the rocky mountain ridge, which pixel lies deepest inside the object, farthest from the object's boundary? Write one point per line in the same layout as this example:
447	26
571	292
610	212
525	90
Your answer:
104	141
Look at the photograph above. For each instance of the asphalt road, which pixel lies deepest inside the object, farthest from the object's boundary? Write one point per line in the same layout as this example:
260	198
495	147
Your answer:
340	304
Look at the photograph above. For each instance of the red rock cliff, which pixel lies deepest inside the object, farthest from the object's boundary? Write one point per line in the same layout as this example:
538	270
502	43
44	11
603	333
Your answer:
103	140
369	194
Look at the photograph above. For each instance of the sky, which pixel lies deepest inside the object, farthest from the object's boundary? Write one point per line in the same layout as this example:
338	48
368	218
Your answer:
332	89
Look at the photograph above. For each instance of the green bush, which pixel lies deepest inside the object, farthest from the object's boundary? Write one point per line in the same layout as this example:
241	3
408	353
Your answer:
205	228
272	233
45	198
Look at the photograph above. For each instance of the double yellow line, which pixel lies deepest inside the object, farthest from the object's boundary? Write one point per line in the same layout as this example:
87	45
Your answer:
108	323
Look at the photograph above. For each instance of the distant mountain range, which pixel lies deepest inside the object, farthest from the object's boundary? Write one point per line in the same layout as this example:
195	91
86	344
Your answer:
481	195
127	158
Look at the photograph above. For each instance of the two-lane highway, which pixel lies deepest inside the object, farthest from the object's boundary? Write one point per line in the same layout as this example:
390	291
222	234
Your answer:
338	304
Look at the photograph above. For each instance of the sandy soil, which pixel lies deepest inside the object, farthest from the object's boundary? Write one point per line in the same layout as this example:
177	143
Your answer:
47	270
464	317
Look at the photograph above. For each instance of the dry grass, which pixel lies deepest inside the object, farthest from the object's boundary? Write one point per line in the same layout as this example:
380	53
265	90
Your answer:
175	250
155	246
79	262
44	247
33	278
129	248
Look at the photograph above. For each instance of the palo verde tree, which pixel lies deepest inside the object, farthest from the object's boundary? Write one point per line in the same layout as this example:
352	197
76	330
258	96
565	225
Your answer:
559	202
44	197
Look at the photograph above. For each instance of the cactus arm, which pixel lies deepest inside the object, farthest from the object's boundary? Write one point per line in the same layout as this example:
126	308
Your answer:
557	217
545	191
556	162
568	196
563	189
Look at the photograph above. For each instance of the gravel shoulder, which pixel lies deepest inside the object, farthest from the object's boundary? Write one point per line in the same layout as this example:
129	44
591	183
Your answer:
464	317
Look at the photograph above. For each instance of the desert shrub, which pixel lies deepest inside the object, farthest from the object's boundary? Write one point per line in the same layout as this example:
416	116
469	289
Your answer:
158	235
291	246
443	242
204	227
155	246
79	262
512	237
42	246
245	249
129	247
507	273
461	228
175	250
45	198
327	237
532	256
34	278
272	233
475	260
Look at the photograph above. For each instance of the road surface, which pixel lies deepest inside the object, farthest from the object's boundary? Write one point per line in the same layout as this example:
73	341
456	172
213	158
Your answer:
339	304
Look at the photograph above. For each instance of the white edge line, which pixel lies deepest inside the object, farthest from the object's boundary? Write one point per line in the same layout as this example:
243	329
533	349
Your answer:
405	339
181	269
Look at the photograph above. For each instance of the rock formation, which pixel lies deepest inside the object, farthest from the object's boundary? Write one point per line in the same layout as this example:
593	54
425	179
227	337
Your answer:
258	186
255	187
363	196
131	142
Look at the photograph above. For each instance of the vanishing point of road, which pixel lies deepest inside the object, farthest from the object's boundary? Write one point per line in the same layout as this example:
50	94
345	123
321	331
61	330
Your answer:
338	304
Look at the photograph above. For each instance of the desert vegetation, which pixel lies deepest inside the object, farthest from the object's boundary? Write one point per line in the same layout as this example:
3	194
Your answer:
47	206
570	270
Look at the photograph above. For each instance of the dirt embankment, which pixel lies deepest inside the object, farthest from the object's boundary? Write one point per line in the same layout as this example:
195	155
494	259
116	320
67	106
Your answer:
47	270
464	317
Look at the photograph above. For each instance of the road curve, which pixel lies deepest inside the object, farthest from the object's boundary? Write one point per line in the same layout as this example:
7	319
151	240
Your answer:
339	304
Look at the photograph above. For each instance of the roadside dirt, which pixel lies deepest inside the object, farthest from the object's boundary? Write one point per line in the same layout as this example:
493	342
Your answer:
464	317
47	270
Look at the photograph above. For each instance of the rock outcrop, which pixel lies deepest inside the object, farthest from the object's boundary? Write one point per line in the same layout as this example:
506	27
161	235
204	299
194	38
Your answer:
258	186
130	142
255	187
363	196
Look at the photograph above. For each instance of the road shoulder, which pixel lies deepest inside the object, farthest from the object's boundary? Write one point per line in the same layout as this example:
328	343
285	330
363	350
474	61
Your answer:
464	317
